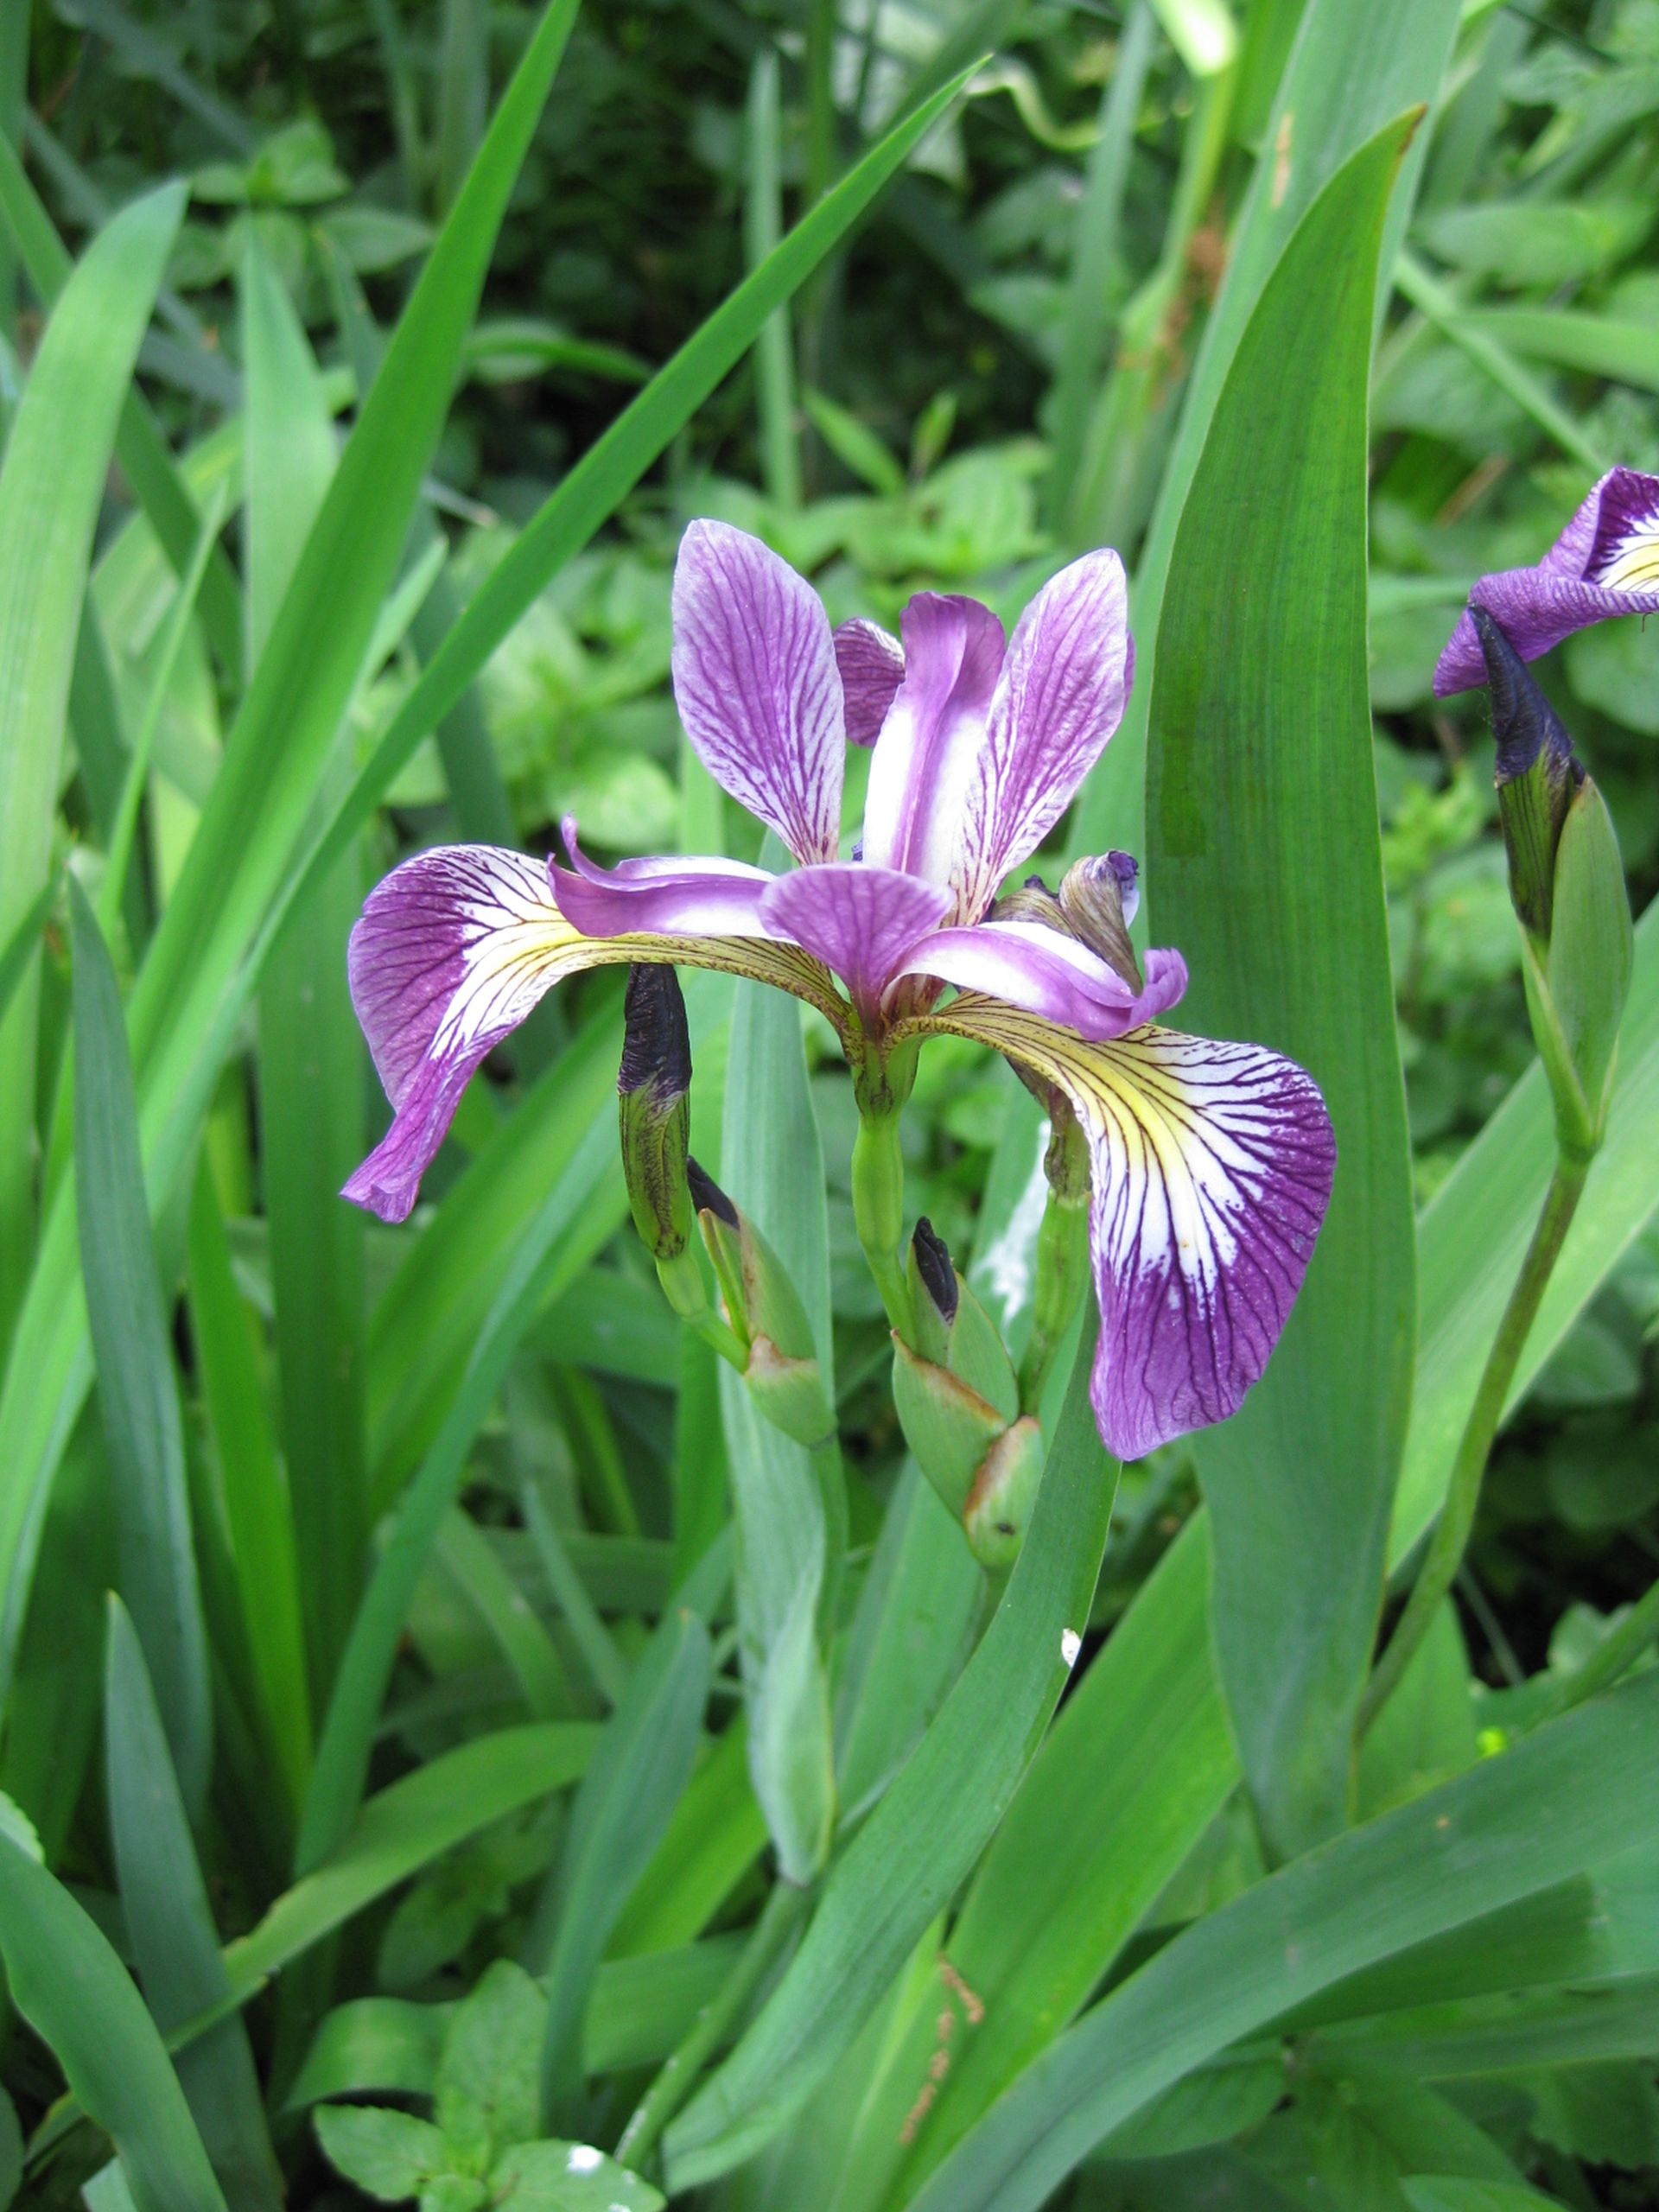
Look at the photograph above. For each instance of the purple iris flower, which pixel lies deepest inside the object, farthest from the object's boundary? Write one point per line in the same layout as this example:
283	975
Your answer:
1605	563
1211	1163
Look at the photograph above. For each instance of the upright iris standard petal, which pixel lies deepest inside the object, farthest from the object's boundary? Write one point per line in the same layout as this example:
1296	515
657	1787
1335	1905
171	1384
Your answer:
860	921
924	763
1212	1166
677	897
1605	563
1062	693
872	665
1042	970
757	685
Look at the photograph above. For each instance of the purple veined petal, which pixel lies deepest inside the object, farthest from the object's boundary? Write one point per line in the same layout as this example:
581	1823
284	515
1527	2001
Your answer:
923	768
1604	563
872	665
1062	693
1212	1165
757	685
673	897
449	955
1042	971
860	921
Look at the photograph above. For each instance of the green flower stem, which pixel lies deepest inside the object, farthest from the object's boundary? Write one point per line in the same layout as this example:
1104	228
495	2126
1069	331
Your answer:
1617	1653
879	1213
1450	1536
679	2072
1060	1276
682	1286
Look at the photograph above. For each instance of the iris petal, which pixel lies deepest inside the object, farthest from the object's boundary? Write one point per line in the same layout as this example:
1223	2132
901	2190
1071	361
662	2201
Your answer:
757	686
1212	1165
450	954
872	665
677	896
1604	563
860	921
1045	972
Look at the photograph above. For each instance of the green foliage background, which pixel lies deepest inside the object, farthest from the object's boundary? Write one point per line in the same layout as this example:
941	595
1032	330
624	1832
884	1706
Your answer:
416	1656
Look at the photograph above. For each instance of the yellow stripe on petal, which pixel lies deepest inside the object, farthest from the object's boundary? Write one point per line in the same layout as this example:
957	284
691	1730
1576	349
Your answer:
1633	564
1212	1165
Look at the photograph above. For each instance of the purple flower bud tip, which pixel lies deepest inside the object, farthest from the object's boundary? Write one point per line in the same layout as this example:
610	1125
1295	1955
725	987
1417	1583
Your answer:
707	1195
933	1266
1524	723
655	1045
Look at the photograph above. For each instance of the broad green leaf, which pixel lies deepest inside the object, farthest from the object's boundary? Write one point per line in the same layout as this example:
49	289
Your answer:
80	2001
1350	72
909	1856
311	1091
1468	2038
389	2155
21	947
486	2090
639	1770
1627	351
406	1825
716	1836
51	483
1133	1771
168	1923
569	2177
138	1390
1474	1230
771	1162
1248	839
1459	1852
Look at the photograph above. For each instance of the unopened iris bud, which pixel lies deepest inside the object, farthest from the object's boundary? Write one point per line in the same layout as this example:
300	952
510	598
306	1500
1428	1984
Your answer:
1538	775
1005	1489
959	1400
653	1085
1099	898
781	1363
1566	881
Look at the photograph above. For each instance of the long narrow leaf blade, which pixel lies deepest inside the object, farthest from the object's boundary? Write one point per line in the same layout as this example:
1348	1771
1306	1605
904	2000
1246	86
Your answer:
1252	836
138	1390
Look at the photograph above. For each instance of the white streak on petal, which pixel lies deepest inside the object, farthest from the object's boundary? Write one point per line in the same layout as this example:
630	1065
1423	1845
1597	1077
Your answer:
1071	1645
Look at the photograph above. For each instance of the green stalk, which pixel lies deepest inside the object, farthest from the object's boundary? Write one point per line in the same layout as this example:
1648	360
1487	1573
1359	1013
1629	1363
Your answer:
1450	1537
679	2075
879	1213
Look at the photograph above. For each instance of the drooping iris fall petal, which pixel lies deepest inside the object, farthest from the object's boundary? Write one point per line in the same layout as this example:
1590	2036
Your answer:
451	952
1605	563
757	686
1212	1166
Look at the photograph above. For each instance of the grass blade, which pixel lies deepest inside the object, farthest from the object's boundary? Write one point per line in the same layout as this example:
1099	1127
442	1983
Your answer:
140	446
187	1002
1472	1234
79	1999
259	1524
1450	1856
1245	837
138	1391
311	1093
170	1927
909	1856
634	1781
51	484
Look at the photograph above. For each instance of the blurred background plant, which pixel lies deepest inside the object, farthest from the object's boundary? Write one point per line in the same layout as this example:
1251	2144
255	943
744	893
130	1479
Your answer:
981	370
